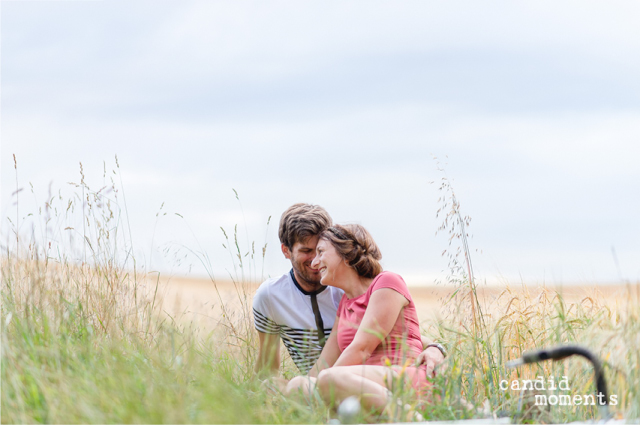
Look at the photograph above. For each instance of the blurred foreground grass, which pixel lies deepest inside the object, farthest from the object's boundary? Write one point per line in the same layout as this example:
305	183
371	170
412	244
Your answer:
76	349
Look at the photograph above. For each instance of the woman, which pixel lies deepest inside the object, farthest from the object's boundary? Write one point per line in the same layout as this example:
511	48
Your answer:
376	337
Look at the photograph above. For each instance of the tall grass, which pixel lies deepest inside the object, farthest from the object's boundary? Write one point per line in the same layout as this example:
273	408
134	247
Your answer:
84	338
484	334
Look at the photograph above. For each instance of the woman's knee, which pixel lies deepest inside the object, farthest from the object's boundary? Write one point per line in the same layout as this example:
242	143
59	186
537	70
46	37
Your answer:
298	383
328	378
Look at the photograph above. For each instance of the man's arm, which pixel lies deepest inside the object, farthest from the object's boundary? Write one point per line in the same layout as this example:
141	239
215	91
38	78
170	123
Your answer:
425	342
268	361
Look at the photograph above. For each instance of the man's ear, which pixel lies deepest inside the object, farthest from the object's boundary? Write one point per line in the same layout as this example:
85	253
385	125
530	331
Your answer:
285	251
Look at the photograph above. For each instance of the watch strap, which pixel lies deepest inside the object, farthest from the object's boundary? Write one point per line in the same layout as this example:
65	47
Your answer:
439	347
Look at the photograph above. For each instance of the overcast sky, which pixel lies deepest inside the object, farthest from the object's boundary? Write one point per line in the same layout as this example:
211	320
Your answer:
534	106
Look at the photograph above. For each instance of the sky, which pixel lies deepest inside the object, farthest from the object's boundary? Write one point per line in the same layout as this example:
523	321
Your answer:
532	110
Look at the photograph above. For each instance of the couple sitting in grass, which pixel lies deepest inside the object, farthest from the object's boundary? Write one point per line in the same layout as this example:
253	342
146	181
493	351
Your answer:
349	326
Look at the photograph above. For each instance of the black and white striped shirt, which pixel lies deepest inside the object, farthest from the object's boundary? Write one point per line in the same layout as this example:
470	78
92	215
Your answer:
281	307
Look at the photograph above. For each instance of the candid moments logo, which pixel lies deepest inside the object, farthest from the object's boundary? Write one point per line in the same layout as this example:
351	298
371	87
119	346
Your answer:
550	385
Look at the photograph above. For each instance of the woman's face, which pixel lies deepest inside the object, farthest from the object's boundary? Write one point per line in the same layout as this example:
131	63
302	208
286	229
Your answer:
328	261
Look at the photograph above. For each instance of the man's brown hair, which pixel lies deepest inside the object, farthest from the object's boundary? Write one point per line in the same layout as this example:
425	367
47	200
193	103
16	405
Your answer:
301	221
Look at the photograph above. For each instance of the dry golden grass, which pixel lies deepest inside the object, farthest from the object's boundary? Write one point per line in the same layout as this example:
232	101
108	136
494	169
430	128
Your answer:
194	298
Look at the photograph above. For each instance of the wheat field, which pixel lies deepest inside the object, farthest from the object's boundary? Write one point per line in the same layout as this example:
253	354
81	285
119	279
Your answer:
90	338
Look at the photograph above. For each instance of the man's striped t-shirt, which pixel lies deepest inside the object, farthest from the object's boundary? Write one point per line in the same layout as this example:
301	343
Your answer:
281	307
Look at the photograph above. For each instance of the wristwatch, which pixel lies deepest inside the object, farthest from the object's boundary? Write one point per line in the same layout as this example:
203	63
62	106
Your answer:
439	347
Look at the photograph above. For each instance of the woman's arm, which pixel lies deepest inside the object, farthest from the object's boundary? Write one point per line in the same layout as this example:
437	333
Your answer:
330	352
385	305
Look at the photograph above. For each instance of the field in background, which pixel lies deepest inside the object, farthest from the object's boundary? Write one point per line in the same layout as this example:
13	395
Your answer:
199	299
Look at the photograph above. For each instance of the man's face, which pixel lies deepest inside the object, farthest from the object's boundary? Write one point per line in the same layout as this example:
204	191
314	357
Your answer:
301	255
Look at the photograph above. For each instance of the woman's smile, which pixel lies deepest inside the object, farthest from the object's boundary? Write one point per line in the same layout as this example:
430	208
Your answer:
327	262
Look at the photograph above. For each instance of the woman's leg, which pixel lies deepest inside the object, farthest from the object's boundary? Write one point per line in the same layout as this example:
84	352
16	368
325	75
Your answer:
369	382
304	384
390	377
378	374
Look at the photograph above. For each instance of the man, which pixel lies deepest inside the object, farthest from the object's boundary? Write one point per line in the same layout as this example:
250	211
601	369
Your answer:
295	307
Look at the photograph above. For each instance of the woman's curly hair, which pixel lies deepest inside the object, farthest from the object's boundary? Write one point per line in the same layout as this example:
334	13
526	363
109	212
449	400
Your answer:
355	244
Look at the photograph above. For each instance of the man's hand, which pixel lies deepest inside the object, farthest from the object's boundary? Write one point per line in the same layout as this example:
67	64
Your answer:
274	385
432	357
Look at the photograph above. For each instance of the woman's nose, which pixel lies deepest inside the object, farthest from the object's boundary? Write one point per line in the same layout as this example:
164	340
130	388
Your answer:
315	262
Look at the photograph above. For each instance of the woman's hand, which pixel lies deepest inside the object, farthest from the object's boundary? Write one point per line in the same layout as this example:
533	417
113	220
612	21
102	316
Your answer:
432	357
